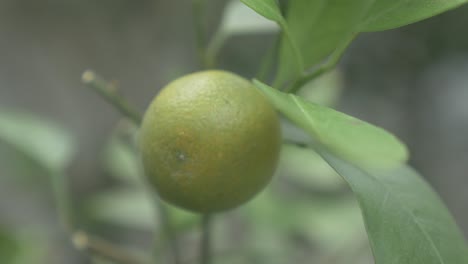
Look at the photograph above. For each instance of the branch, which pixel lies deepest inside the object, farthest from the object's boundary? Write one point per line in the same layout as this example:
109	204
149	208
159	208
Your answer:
168	234
105	249
205	245
198	11
109	93
325	67
62	200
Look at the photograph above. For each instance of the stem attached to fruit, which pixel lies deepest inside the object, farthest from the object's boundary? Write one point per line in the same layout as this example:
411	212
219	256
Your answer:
167	233
109	92
205	245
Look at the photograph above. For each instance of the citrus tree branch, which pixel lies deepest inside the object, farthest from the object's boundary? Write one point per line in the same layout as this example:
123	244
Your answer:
109	92
62	200
205	245
167	233
330	64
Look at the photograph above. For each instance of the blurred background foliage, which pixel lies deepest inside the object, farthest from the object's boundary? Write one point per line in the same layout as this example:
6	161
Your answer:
411	81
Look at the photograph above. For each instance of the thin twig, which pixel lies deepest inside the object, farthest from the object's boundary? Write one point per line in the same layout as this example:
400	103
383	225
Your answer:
168	233
198	9
268	60
109	93
205	245
62	200
325	67
214	46
105	249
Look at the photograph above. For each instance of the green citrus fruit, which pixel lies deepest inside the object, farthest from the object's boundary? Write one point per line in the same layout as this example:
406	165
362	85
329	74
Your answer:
209	141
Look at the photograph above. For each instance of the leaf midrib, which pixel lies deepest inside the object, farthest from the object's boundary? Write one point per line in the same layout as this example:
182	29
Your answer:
408	211
385	186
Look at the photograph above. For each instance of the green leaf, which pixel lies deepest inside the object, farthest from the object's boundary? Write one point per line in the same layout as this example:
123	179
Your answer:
386	14
267	8
41	139
405	220
313	30
350	138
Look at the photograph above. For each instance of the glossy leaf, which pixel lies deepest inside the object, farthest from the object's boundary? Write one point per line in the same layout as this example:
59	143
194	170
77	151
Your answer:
386	14
314	29
41	139
406	221
348	137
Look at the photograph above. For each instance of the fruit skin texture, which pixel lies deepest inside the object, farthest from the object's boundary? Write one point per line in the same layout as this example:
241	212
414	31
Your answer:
209	141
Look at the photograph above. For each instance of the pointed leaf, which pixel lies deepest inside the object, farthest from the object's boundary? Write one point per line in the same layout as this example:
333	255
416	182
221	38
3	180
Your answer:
348	137
314	29
386	14
405	220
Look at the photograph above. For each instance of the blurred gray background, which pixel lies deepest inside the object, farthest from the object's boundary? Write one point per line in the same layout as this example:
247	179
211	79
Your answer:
412	81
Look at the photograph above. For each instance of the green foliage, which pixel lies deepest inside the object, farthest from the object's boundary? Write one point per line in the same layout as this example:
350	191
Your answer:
406	221
348	137
385	14
312	30
41	139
